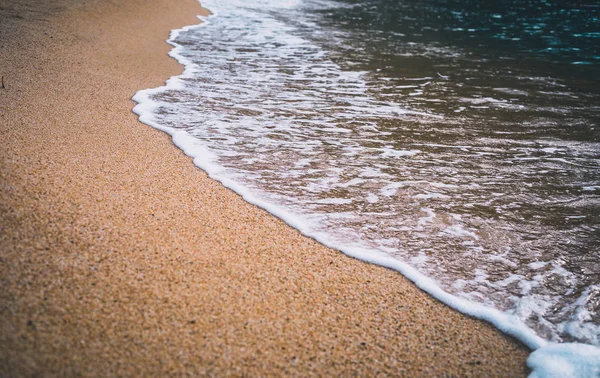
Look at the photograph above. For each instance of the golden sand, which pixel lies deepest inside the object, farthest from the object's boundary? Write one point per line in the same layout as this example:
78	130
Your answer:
119	257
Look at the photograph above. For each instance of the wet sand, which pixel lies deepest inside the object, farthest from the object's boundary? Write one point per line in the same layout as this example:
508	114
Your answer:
119	257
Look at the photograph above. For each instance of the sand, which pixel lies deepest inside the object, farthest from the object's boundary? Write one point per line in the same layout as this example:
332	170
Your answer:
118	257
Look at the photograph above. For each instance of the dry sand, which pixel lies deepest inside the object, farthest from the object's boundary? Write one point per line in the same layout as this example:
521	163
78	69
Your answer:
119	257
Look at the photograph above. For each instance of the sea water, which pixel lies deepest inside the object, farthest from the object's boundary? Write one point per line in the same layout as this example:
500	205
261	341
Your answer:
455	141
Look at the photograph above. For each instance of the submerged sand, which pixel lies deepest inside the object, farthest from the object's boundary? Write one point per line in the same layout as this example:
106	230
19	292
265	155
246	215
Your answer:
119	257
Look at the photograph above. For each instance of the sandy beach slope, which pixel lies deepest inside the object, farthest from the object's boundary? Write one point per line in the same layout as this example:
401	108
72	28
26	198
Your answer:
119	257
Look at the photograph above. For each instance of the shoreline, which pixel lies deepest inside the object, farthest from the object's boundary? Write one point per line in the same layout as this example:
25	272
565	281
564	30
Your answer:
121	257
146	108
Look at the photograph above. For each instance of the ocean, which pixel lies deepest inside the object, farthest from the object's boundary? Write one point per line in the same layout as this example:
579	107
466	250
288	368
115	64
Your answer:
457	142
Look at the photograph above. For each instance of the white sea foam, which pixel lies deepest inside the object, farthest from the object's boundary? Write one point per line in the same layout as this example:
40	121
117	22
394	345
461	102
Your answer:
565	360
272	114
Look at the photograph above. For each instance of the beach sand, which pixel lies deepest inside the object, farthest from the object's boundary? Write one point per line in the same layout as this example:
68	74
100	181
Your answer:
119	257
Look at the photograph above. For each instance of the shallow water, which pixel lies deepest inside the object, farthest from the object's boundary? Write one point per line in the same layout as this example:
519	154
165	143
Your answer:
460	139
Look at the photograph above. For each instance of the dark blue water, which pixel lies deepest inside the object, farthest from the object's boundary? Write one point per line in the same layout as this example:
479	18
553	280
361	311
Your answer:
518	85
